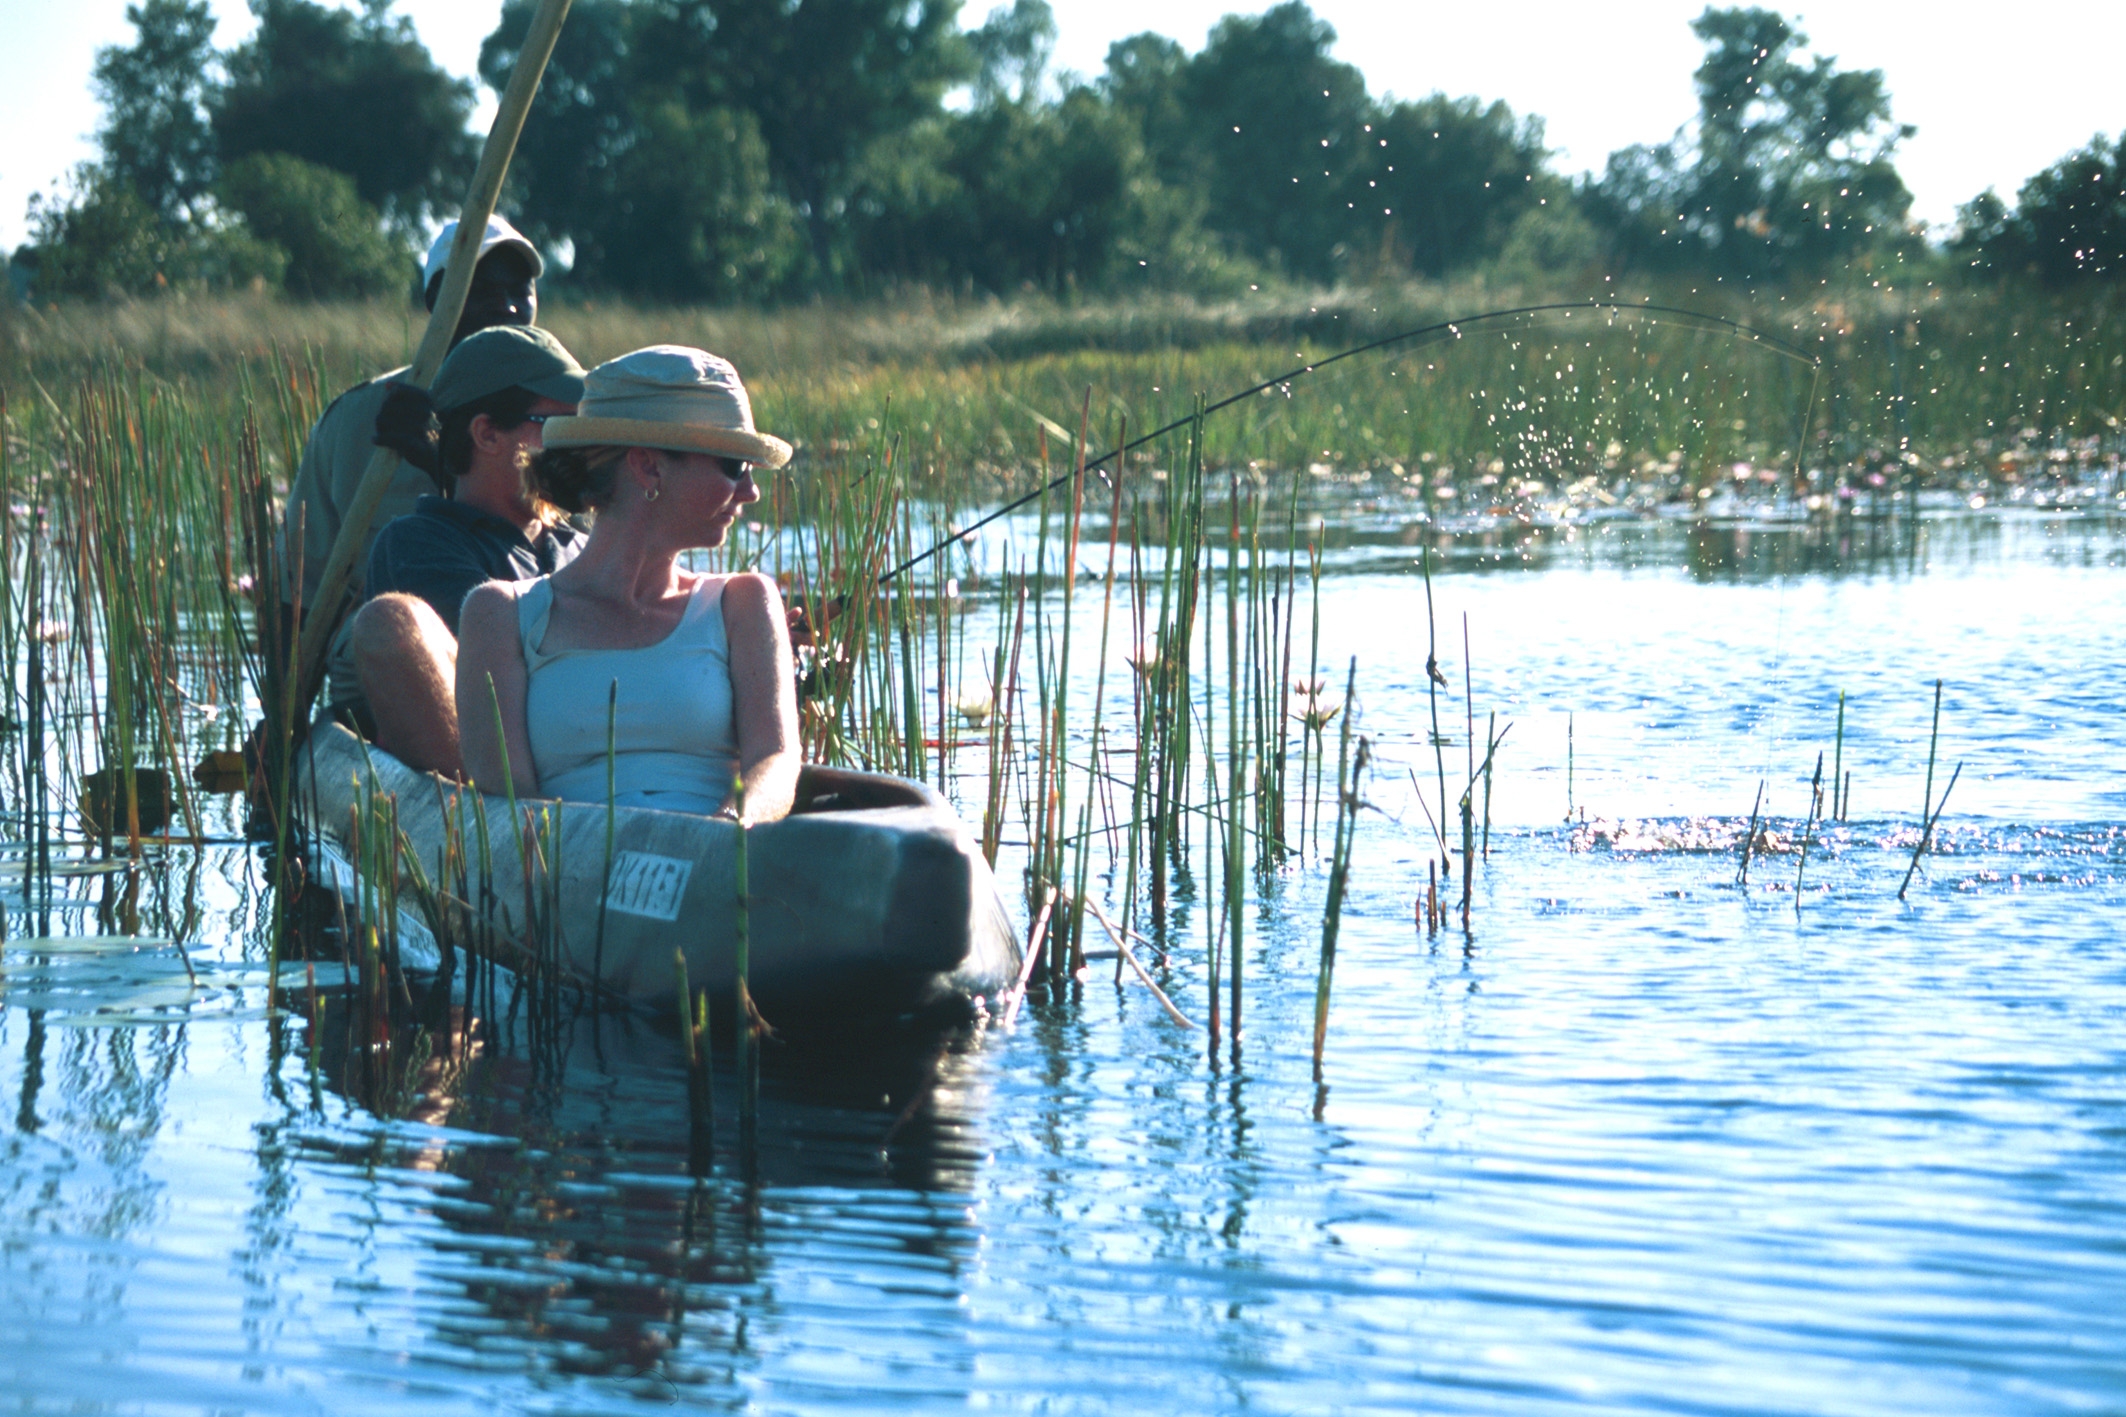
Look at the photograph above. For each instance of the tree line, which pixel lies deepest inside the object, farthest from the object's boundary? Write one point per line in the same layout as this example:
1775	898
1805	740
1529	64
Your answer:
756	150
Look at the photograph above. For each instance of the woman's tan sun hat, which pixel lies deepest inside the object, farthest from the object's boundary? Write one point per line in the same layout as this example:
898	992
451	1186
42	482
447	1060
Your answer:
672	397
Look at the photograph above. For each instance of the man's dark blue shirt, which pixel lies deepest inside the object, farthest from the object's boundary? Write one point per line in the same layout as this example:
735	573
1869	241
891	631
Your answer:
443	549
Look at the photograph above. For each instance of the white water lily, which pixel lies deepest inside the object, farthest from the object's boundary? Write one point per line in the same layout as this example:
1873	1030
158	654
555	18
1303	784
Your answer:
1318	713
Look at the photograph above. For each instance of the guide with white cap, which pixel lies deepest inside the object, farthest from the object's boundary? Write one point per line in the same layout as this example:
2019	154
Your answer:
504	292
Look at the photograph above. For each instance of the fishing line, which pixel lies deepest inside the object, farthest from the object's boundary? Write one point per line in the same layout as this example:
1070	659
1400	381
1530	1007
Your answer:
1443	330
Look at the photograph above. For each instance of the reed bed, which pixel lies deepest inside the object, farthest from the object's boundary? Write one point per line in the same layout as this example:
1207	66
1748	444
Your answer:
1976	385
1108	681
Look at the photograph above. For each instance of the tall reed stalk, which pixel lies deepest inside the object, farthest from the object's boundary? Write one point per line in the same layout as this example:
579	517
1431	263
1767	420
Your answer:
1348	773
742	962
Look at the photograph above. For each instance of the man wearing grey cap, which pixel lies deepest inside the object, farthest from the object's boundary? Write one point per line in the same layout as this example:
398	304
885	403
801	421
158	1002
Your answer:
392	667
504	292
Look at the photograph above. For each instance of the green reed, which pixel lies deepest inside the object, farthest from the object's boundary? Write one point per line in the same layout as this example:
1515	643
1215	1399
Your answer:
1929	810
1491	748
884	638
1926	834
1095	767
1235	805
1808	830
701	1078
1749	837
1433	680
1952	377
748	1023
1838	803
1349	771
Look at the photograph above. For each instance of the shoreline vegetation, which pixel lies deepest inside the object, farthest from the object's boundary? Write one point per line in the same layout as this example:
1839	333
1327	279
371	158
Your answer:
1923	386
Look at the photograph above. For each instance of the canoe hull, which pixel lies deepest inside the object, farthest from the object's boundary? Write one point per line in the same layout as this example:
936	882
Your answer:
872	900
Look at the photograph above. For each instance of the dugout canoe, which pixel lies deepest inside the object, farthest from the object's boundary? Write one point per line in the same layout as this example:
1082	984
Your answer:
870	900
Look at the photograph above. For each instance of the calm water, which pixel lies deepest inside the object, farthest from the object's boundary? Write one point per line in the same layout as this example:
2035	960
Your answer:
1639	1141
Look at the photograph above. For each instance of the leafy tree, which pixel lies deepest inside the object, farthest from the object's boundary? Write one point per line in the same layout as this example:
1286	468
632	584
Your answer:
908	210
229	256
1637	203
1011	51
1441	180
2069	222
334	242
1279	126
155	137
103	241
821	81
1300	168
825	79
1058	197
695	215
1551	238
354	90
357	93
1791	166
1978	223
582	122
126	226
1144	79
660	197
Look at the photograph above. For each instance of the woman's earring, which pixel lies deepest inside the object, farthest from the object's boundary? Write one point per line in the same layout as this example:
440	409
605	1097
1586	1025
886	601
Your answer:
650	493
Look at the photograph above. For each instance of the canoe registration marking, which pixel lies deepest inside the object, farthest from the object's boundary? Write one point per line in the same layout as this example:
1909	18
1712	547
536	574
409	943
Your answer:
648	885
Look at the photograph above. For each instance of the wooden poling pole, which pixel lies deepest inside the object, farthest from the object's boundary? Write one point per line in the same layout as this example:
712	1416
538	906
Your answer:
327	607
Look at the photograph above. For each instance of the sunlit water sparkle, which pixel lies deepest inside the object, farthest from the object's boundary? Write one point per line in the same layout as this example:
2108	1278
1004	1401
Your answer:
1641	1140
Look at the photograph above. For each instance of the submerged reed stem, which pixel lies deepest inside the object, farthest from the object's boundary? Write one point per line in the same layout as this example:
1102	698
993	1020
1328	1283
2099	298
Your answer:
1927	808
1838	762
1348	772
701	1095
1568	767
1433	680
1749	836
1926	835
741	959
1808	830
1491	742
605	880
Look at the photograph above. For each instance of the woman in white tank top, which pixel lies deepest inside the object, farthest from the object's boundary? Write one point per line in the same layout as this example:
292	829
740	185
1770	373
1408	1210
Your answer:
693	671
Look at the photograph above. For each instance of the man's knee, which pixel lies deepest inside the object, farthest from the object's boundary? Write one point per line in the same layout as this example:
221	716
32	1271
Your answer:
395	624
406	659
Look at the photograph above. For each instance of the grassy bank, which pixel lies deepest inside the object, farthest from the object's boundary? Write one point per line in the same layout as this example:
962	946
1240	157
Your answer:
1951	377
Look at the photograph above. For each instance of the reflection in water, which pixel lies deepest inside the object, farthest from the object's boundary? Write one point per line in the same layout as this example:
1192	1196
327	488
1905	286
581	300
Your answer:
571	1236
1641	1140
89	1118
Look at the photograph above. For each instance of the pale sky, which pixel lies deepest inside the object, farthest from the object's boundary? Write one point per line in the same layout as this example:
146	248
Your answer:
1997	92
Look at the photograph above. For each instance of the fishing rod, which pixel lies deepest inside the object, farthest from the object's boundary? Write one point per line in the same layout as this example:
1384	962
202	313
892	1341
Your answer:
1444	328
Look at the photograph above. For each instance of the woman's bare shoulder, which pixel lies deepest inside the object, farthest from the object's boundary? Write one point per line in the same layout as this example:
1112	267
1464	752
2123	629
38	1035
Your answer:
489	605
750	590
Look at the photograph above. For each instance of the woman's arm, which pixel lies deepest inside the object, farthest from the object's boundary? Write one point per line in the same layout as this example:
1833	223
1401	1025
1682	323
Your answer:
763	696
490	652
